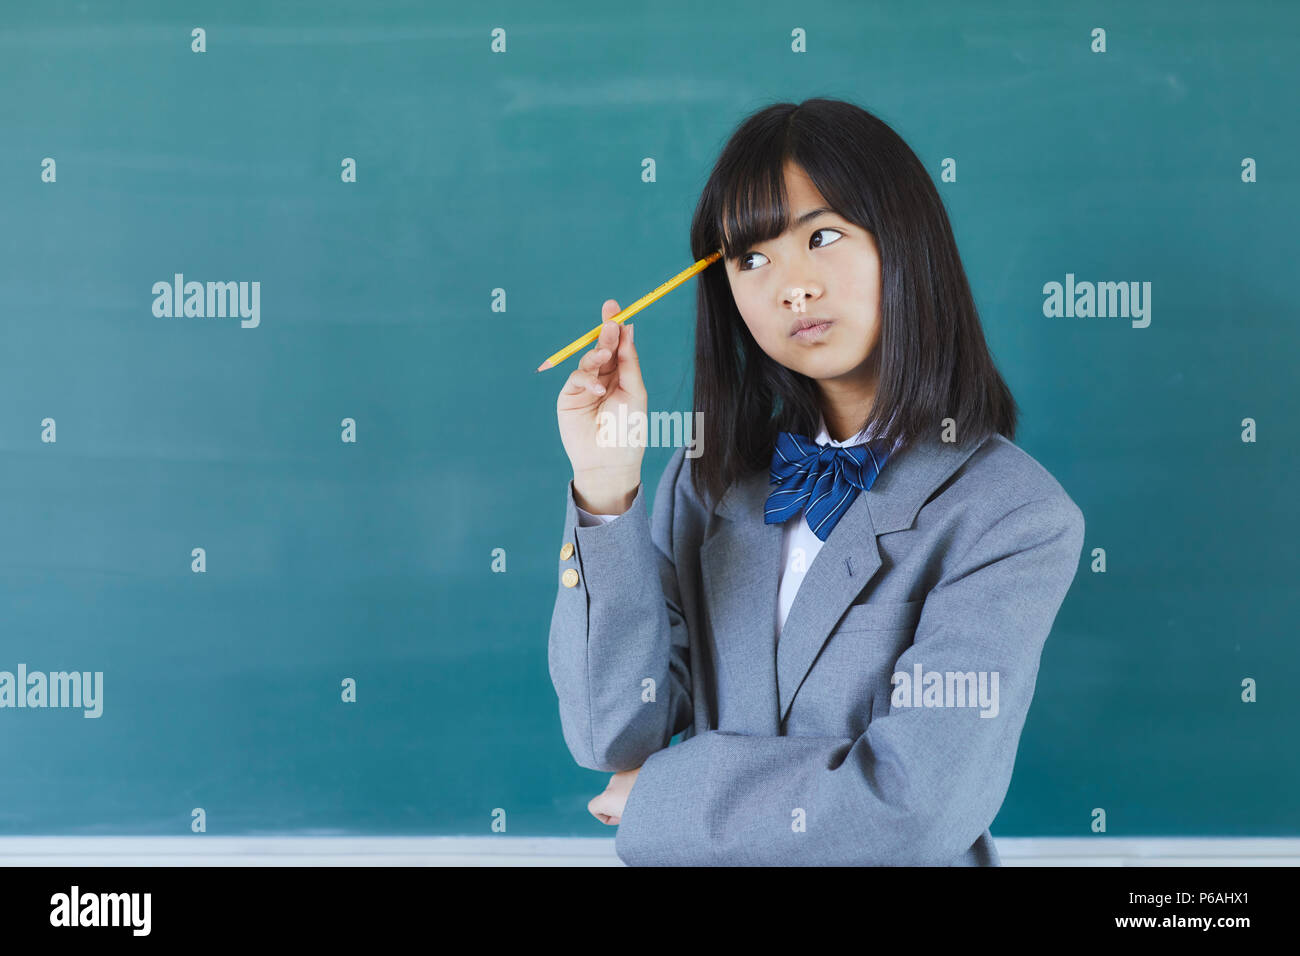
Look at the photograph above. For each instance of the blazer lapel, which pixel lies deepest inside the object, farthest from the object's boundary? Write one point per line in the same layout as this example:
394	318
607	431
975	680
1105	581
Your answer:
741	568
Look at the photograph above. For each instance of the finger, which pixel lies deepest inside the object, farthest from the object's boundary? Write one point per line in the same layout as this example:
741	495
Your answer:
629	366
606	362
580	381
608	337
596	359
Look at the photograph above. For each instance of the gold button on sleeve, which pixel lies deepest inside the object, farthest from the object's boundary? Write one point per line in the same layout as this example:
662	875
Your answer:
569	577
566	552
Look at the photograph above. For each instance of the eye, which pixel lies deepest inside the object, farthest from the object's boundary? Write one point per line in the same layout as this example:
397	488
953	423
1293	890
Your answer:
741	260
824	244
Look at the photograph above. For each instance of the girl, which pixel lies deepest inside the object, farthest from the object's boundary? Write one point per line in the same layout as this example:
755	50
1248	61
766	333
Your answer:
842	603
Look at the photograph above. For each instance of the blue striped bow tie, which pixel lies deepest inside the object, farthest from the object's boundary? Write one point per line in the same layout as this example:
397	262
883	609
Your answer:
824	478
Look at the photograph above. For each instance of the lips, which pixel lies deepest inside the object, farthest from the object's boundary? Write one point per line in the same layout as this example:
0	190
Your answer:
801	324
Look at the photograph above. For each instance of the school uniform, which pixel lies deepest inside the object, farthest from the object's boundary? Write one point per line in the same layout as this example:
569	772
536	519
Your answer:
797	746
799	545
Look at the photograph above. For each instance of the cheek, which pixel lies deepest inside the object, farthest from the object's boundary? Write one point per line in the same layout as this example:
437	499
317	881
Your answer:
769	339
774	340
757	327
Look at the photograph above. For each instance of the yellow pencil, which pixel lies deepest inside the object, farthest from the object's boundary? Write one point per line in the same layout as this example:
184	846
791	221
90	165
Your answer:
632	309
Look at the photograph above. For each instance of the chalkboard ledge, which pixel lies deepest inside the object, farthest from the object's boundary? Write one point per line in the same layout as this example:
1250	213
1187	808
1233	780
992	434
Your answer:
204	850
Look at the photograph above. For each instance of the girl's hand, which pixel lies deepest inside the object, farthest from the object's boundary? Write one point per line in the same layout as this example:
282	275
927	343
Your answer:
608	806
607	376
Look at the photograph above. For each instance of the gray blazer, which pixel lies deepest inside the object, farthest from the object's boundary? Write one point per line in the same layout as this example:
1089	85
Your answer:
804	750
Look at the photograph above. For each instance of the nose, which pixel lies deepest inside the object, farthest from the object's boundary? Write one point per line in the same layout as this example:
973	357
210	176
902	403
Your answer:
796	297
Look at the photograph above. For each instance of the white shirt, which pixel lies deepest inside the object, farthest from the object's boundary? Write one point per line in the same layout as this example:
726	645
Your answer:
799	546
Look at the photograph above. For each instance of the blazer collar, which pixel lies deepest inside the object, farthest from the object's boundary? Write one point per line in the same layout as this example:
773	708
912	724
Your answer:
740	564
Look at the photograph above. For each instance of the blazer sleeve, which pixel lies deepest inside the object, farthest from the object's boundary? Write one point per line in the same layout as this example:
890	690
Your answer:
618	628
921	784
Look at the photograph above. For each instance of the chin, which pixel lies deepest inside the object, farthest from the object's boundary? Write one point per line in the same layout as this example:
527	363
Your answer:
831	368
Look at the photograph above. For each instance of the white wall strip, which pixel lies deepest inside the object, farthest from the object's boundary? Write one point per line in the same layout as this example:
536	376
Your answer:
202	850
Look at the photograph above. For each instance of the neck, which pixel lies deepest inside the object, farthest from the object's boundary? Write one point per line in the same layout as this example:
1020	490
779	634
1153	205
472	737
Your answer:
846	403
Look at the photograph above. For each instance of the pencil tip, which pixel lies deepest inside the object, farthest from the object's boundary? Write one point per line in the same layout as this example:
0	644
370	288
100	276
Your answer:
543	366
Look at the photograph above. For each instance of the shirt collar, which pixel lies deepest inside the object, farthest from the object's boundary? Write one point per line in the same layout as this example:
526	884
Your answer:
824	436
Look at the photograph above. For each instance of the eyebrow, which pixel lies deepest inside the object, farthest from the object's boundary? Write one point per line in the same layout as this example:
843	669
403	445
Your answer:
812	214
808	216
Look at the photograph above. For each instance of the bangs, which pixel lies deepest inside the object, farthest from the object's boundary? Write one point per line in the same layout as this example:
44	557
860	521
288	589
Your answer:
754	206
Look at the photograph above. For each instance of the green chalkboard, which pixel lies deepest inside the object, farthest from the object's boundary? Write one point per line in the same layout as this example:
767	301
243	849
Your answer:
229	513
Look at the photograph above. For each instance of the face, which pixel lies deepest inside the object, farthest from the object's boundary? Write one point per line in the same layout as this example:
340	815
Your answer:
823	269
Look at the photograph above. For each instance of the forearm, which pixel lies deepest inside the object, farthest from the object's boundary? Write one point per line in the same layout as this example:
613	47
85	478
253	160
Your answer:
623	688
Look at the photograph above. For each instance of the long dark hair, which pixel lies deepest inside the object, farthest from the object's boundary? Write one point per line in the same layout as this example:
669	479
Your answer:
931	360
